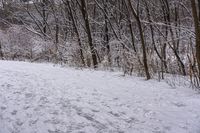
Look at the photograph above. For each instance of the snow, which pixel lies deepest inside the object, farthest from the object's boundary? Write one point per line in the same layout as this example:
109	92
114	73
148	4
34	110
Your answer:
43	98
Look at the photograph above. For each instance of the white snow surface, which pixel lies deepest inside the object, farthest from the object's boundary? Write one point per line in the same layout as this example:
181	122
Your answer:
43	98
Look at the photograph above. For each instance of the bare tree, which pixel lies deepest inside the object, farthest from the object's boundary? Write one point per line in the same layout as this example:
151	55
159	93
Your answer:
197	30
88	30
137	17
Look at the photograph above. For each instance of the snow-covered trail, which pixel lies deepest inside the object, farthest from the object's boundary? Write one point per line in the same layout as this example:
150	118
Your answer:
41	98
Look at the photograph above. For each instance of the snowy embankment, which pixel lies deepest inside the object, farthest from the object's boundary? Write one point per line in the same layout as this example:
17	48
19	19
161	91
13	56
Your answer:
41	98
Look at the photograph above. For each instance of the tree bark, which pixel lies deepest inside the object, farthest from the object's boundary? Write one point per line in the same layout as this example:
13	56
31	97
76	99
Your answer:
1	52
197	32
88	30
142	41
76	31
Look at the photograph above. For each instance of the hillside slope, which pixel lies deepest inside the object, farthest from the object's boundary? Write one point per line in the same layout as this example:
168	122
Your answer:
42	98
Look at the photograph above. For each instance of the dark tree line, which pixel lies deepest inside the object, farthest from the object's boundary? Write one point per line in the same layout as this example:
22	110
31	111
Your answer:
147	37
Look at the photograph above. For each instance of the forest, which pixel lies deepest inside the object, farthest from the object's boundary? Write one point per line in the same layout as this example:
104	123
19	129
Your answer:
144	37
99	66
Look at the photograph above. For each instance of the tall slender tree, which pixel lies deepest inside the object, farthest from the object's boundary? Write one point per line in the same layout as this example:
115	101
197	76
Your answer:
84	11
196	18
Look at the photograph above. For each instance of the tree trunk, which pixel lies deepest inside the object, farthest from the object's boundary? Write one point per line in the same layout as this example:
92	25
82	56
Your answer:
44	16
1	52
76	31
142	41
197	32
106	36
88	30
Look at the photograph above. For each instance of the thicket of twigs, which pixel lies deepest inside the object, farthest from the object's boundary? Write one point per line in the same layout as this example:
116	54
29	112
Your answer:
144	37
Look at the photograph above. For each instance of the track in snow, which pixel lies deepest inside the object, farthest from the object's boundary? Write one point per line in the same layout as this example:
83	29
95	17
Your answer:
41	98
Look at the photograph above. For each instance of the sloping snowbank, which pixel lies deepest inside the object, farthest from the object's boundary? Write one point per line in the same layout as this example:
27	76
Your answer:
41	98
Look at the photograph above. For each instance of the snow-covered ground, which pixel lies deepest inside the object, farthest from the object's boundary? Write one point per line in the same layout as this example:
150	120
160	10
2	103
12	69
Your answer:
41	98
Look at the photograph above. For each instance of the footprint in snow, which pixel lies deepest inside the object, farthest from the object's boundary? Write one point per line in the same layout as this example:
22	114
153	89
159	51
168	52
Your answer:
19	122
26	107
149	113
3	107
16	92
9	85
95	111
114	114
116	98
56	131
14	112
32	122
132	120
179	104
43	100
53	121
28	95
